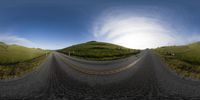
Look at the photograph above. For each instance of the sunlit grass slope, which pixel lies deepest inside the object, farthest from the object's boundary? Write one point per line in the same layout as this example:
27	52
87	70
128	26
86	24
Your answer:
17	60
98	51
184	59
10	54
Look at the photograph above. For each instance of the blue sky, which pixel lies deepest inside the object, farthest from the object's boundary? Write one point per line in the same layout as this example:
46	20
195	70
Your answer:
55	24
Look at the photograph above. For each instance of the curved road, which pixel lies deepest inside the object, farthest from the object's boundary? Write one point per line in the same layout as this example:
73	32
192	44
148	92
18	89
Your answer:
63	78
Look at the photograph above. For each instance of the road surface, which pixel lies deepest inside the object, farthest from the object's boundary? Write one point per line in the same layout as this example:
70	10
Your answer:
64	78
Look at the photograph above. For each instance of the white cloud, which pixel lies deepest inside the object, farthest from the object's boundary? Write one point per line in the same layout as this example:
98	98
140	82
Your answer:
13	39
138	32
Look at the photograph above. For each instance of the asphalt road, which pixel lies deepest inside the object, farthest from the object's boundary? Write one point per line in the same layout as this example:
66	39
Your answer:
144	77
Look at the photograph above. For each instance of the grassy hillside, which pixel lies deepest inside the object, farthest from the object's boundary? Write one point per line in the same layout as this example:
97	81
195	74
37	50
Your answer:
184	59
98	51
11	54
17	60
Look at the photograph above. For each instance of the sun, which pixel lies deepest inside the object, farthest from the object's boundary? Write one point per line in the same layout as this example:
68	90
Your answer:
135	32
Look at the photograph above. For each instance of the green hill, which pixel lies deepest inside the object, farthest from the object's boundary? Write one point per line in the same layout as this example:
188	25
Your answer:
17	60
98	51
2	43
10	54
184	59
3	46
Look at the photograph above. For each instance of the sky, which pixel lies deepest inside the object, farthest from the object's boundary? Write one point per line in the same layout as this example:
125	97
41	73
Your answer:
138	24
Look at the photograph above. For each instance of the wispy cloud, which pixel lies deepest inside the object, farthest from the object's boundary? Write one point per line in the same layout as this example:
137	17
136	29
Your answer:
138	31
13	39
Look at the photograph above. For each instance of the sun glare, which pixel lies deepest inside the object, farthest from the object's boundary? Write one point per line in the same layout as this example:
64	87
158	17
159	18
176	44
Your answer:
134	32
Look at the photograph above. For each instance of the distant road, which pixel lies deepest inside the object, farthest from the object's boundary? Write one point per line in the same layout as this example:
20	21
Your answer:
60	77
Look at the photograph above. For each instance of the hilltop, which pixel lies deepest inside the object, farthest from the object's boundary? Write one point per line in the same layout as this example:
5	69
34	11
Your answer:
14	53
17	60
94	50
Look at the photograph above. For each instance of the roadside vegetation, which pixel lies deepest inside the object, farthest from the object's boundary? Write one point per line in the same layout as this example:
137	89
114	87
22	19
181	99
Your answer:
185	60
98	51
17	60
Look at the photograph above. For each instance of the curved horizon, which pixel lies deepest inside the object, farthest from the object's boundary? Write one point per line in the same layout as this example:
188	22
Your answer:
133	24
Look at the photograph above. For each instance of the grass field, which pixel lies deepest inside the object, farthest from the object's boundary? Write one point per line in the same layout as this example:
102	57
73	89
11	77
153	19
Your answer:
17	60
98	51
19	69
185	60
